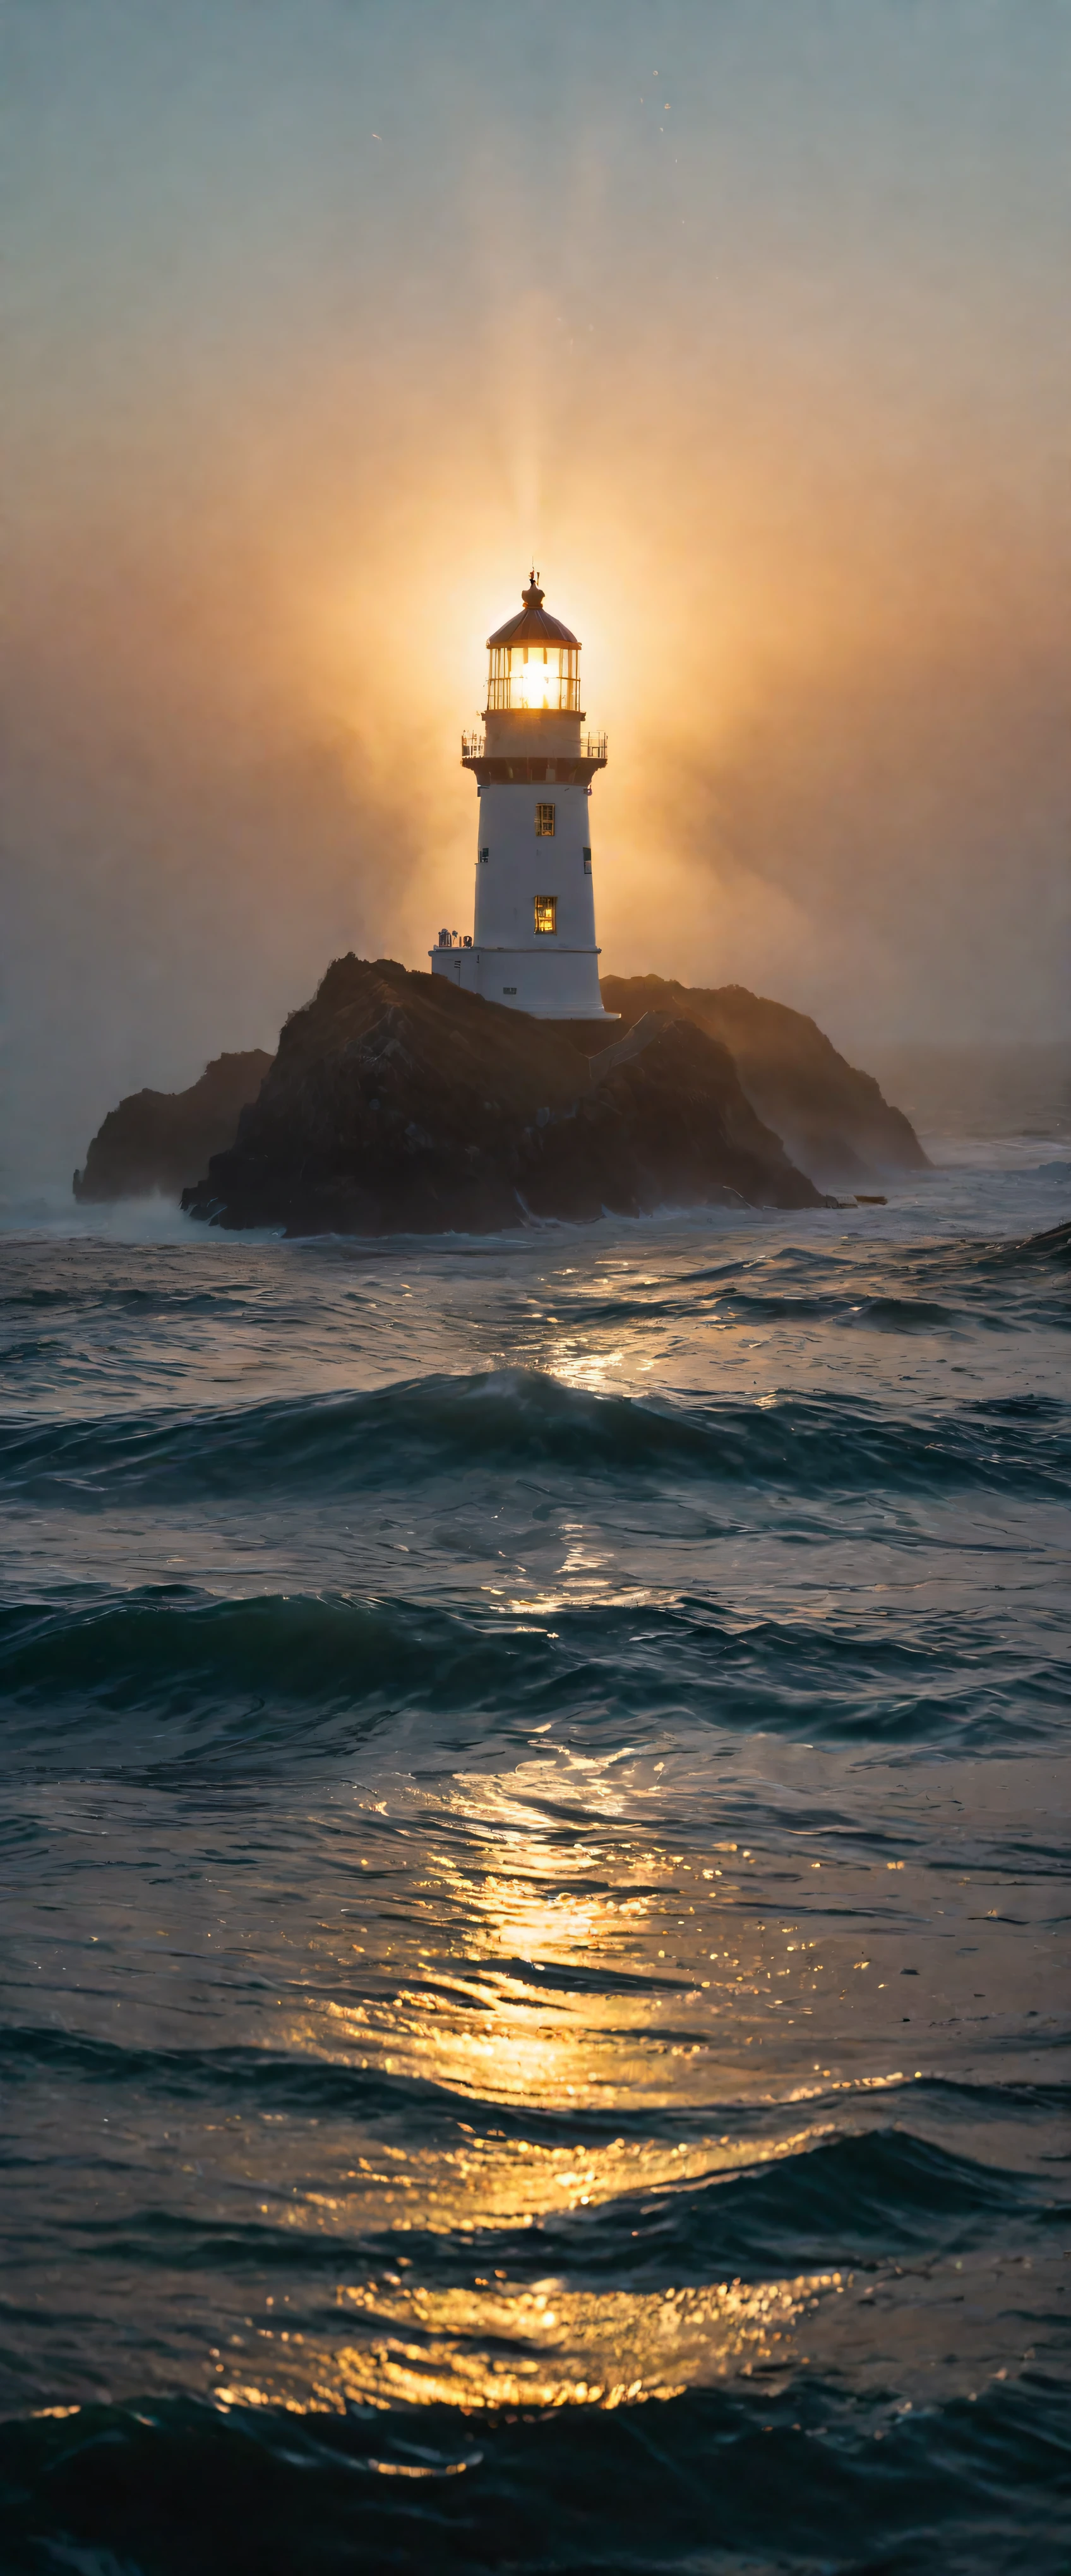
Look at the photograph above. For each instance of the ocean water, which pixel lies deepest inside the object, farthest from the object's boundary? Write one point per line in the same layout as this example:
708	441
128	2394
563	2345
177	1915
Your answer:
534	1825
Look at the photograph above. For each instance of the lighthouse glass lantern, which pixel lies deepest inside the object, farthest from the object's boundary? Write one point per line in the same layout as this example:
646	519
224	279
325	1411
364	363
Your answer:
533	945
533	675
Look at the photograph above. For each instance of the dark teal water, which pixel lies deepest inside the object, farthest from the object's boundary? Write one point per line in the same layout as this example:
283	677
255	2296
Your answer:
534	1827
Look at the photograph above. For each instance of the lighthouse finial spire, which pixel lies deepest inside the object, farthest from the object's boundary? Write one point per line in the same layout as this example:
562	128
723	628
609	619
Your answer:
533	596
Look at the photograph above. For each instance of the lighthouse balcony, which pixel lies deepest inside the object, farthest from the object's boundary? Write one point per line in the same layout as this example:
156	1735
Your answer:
574	767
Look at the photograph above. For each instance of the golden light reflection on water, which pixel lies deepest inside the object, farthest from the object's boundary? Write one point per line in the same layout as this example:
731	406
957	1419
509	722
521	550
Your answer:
610	1354
542	1974
592	1371
490	2017
540	2344
512	1961
517	1961
582	1578
490	2182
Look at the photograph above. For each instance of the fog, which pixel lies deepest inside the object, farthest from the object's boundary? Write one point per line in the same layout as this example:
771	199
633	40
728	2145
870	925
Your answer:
744	322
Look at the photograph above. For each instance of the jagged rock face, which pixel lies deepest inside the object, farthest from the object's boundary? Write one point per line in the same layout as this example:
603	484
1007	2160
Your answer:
832	1119
398	1104
663	1123
161	1140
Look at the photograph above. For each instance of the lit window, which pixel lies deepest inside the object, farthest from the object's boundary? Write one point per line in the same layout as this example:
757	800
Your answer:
546	912
544	822
587	863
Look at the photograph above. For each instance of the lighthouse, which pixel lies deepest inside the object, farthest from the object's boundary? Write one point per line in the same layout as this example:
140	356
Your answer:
533	945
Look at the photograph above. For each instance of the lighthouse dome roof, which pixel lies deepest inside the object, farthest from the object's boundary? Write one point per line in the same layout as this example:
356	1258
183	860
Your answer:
533	625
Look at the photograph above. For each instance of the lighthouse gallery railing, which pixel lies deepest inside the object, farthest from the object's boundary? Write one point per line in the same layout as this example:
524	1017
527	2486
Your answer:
592	747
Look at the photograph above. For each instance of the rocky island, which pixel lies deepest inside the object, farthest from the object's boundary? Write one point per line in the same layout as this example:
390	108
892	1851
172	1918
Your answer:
398	1103
831	1118
160	1140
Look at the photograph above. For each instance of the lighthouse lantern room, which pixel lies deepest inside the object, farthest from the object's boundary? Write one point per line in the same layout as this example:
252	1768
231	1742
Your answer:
533	944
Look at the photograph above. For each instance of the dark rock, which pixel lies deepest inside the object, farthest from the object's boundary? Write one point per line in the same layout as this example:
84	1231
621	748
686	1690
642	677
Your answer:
663	1122
397	1103
161	1140
833	1120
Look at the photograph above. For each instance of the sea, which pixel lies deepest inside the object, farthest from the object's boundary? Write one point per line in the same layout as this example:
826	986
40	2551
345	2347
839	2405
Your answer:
534	1810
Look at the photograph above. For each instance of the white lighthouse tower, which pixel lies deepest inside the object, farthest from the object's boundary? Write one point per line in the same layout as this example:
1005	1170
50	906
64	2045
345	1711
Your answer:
533	946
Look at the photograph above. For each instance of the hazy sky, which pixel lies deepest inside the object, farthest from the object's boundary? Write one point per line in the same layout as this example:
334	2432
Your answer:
748	318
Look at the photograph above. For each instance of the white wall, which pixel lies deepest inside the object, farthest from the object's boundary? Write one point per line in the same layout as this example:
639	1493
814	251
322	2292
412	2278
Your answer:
550	974
521	865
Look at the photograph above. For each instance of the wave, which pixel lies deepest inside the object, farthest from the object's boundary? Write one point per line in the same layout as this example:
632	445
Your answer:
1050	1250
767	2481
838	2202
419	2106
166	1673
1032	1267
998	1285
888	1314
834	2205
108	1296
501	1419
832	2194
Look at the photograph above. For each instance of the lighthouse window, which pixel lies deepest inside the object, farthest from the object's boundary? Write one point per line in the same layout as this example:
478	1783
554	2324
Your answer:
544	822
484	854
546	909
587	863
